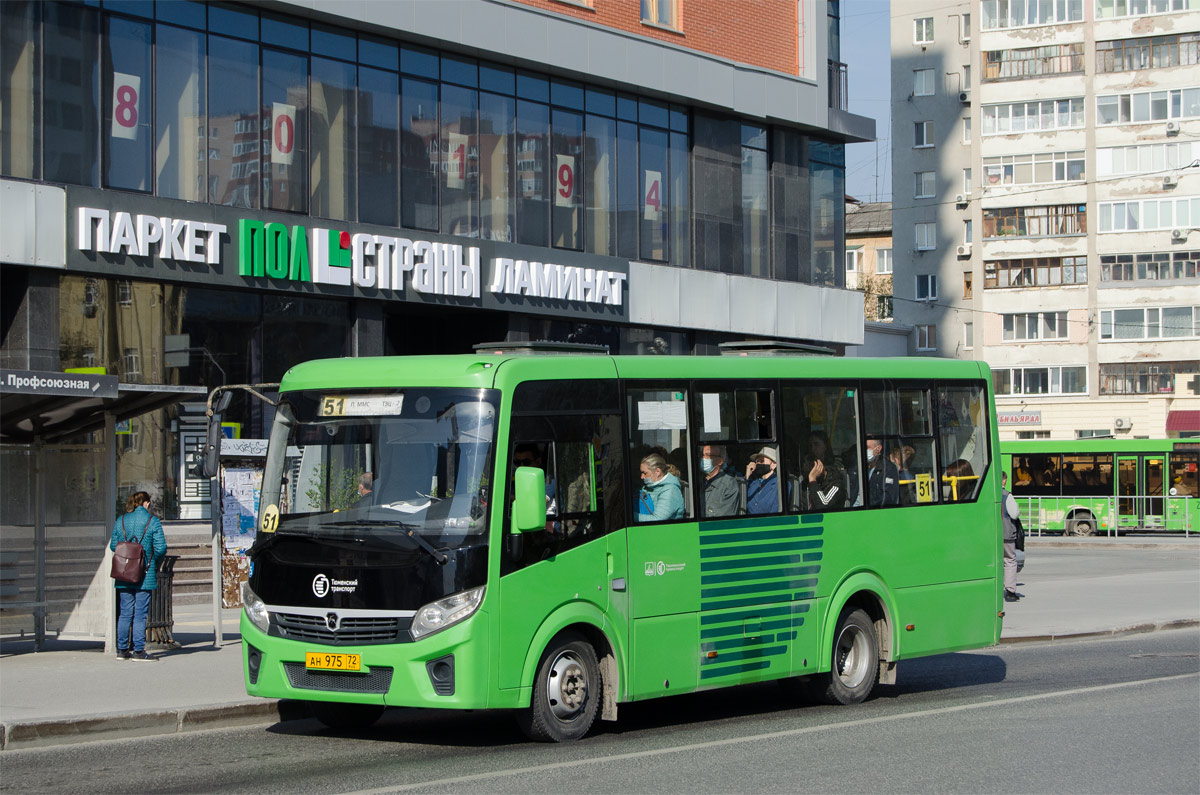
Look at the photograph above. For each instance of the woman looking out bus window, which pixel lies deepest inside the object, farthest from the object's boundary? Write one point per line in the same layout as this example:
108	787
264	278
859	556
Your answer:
660	482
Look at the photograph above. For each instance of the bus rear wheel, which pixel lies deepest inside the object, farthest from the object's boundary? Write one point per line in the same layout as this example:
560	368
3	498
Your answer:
1082	525
345	716
566	692
854	668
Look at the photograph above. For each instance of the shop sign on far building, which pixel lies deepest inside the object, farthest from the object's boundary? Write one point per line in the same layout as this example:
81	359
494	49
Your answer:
1019	417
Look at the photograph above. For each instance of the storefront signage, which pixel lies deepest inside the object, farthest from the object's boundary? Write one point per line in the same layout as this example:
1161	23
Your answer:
213	245
120	232
1019	417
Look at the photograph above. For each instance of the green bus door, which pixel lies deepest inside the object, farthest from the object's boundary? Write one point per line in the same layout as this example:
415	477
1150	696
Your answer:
1139	491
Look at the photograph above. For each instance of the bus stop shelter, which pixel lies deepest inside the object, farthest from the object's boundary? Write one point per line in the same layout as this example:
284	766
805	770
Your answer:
55	528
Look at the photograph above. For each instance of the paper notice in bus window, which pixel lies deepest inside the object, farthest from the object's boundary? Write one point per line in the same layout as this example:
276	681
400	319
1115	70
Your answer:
711	404
674	414
649	415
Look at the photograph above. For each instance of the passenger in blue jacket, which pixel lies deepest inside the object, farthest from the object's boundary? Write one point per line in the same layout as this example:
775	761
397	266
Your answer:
660	482
137	524
762	482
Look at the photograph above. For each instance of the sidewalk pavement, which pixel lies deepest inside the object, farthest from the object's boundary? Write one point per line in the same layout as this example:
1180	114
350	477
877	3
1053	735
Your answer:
68	693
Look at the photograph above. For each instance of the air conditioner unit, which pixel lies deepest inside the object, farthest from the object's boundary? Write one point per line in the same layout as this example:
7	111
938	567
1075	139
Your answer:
961	199
964	250
1179	234
1172	128
1122	423
964	97
1170	181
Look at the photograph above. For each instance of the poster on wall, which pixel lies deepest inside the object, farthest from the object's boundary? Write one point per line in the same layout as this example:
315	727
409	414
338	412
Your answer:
241	486
283	132
564	193
127	91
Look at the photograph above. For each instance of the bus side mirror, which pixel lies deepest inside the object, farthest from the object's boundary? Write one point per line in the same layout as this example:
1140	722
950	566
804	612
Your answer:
529	507
210	462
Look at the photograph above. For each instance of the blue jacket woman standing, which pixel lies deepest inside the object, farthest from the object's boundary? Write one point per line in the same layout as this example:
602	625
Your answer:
137	524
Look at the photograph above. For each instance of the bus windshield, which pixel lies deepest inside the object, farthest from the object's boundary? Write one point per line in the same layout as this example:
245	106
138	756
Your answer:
376	464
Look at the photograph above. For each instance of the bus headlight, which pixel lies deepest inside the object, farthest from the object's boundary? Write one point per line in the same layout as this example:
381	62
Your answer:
256	611
446	612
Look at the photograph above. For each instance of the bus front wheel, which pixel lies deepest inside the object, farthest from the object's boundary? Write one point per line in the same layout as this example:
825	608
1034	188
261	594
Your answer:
1082	524
345	716
854	668
566	692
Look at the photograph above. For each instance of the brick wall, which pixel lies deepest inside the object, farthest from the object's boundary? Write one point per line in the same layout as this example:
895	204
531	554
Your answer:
761	33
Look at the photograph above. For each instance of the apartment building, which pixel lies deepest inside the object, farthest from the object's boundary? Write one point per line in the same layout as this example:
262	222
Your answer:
1046	206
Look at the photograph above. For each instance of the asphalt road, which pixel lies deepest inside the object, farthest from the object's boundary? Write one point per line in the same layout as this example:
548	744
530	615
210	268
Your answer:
1113	715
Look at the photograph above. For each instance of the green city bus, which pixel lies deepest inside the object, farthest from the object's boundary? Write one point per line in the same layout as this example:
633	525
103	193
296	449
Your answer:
1082	486
404	558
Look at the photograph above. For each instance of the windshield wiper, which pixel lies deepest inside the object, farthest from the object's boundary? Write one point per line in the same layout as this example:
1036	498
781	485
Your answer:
439	557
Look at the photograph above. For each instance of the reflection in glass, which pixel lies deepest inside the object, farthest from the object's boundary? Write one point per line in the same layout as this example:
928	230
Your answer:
756	252
533	132
20	90
233	121
333	125
567	159
628	183
459	142
285	130
378	142
182	135
125	128
680	244
418	154
655	205
70	109
497	115
600	185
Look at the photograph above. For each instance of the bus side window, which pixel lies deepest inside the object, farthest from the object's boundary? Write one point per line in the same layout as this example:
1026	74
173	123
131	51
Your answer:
658	435
905	472
820	424
963	440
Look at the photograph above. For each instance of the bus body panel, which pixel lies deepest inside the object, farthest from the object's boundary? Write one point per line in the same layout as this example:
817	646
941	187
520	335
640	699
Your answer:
410	685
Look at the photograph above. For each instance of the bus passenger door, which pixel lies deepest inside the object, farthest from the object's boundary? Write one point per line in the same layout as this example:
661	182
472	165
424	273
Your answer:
1152	479
1129	493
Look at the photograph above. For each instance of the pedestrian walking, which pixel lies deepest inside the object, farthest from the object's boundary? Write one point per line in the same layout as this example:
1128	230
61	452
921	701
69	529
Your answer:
137	524
1011	517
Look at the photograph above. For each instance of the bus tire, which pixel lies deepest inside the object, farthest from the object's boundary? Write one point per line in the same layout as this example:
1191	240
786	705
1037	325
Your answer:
566	692
1082	524
854	668
345	716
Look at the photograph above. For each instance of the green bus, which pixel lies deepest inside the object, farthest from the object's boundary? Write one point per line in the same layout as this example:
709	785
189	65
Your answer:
471	532
1114	486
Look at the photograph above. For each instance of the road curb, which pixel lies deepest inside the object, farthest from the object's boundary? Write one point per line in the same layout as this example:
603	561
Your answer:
1135	629
16	735
1101	543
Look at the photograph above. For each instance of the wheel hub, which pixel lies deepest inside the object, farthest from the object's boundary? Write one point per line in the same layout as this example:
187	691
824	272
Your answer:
851	656
567	687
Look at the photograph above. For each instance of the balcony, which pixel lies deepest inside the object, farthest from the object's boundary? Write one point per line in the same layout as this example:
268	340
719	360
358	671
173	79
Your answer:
838	87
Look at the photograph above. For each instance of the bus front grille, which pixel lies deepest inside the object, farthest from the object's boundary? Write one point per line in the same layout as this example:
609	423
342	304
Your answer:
350	632
377	680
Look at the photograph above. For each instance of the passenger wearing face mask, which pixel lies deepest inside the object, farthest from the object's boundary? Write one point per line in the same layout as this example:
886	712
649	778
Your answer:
762	482
883	486
660	484
721	495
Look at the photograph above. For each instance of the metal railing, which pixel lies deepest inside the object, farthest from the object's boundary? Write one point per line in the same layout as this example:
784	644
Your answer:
1051	514
839	86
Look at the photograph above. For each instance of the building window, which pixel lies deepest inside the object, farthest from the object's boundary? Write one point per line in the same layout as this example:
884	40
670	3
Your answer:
91	293
1050	221
968	286
1033	435
966	130
923	82
922	134
883	307
1150	267
1145	323
124	292
968	336
1145	158
883	261
1035	326
1144	378
927	337
966	181
923	30
132	362
1157	52
966	77
661	12
854	261
1034	169
1035	272
1148	106
1041	116
1148	214
1057	380
926	187
1109	9
965	28
927	287
1019	14
1053	59
926	236
968	231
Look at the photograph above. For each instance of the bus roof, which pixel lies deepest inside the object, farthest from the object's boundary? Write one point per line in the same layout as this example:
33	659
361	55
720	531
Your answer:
1086	446
485	371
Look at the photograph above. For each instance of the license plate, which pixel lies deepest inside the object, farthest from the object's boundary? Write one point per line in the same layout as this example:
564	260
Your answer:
322	661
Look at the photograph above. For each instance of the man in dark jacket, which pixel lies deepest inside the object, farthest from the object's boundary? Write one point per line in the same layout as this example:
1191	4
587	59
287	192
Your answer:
722	496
